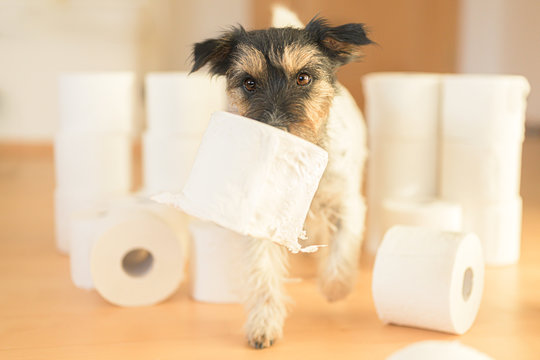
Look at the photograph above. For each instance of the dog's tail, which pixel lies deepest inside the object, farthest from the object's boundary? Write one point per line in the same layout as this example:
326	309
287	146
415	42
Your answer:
283	17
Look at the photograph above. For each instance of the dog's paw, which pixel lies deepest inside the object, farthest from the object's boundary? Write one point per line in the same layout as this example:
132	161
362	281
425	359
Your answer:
335	288
262	332
260	342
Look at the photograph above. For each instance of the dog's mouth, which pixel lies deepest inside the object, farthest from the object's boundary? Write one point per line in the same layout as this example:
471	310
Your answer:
277	126
284	128
281	122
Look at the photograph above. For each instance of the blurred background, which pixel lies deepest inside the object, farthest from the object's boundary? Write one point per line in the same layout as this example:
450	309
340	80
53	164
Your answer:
42	315
41	38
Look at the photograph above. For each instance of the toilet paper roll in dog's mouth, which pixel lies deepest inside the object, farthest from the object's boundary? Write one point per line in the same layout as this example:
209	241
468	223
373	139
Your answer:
253	179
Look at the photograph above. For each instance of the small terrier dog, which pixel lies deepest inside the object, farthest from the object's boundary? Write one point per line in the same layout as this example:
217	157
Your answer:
286	77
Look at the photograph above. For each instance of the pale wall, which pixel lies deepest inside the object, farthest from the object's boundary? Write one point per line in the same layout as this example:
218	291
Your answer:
502	36
40	39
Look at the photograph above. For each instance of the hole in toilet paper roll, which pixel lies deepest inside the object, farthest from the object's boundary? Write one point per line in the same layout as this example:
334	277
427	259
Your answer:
137	262
467	284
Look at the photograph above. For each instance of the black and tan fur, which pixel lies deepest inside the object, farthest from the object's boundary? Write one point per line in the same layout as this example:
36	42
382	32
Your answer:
274	58
286	77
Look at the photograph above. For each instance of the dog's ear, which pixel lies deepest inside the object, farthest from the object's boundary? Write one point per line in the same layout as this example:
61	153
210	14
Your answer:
216	52
341	43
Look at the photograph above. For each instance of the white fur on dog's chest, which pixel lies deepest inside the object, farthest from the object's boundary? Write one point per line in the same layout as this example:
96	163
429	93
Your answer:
345	142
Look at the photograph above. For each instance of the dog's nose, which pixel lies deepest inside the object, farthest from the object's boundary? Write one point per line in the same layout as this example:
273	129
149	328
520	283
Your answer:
276	119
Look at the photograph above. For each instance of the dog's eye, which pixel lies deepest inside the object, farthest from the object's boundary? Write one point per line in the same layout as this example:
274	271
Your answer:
250	85
303	79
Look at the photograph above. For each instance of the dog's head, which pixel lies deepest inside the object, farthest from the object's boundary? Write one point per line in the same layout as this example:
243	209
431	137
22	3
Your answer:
284	77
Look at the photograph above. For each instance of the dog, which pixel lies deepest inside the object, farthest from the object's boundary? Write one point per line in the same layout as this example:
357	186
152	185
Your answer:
286	77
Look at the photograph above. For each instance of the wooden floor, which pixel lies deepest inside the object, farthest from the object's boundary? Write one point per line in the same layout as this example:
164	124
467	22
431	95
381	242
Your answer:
43	316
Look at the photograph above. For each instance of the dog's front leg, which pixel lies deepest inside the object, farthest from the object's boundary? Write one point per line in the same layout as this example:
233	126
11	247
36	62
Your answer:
265	299
338	268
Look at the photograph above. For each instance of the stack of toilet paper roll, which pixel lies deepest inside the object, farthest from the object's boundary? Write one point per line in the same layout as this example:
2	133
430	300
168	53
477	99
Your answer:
445	152
483	121
402	110
131	252
178	106
428	278
93	147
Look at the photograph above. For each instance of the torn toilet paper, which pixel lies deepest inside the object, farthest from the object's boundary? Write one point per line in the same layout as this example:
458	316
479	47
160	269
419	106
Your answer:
254	179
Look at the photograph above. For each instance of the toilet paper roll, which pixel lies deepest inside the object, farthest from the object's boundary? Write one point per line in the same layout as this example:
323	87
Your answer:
374	226
167	160
484	108
429	279
68	203
138	261
253	179
97	102
181	103
480	172
93	163
217	275
440	350
84	231
402	105
498	225
177	220
402	169
431	213
87	226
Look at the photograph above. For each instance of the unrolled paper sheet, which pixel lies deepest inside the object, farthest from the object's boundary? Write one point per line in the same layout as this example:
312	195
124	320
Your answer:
253	179
428	279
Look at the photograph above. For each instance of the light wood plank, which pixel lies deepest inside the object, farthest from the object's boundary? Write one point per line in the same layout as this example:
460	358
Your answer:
43	316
